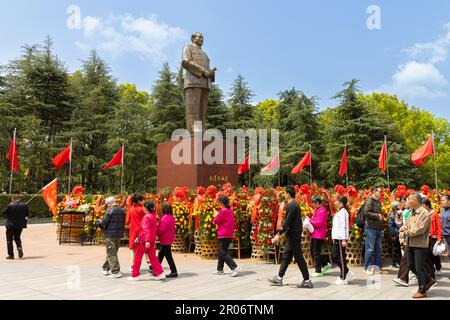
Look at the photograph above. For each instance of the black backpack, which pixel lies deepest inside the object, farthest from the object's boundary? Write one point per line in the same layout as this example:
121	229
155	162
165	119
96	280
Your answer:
360	220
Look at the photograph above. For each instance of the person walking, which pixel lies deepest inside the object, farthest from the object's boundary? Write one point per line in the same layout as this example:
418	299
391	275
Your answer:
319	221
339	234
434	263
395	222
292	227
417	230
133	220
373	229
146	243
225	231
113	226
445	220
16	220
166	235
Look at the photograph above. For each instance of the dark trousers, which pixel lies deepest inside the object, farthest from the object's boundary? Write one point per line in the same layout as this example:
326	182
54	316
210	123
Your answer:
340	258
224	257
403	271
293	249
417	264
436	260
165	251
316	248
396	251
13	235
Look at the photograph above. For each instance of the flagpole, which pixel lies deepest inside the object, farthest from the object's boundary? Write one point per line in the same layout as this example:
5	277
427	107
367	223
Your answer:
12	161
34	196
70	166
121	174
434	157
346	172
310	166
387	163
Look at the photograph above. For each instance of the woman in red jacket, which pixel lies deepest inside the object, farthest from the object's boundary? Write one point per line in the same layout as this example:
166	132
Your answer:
134	217
166	235
146	243
225	222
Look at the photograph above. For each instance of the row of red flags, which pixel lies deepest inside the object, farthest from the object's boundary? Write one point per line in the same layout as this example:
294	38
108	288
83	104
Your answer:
417	158
61	159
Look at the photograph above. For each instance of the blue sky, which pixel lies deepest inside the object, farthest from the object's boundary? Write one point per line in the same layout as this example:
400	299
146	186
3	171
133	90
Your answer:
315	46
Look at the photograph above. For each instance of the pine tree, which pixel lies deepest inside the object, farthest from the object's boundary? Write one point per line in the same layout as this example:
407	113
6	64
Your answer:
217	115
241	109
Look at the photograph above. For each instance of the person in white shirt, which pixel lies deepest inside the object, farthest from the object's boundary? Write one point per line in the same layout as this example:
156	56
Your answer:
339	234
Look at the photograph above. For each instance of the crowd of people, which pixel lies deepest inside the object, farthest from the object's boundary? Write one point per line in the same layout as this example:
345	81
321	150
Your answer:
418	235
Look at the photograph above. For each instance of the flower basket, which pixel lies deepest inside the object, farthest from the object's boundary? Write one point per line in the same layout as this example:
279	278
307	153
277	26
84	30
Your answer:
354	251
198	244
257	251
306	249
209	249
179	243
386	244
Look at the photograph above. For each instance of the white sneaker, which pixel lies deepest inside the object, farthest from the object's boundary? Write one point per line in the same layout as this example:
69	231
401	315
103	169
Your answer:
413	279
236	272
369	272
218	273
350	275
439	272
400	282
339	281
134	278
131	269
106	272
162	276
115	275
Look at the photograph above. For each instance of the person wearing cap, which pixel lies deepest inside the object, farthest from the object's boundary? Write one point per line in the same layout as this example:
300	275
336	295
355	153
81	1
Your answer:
319	221
113	226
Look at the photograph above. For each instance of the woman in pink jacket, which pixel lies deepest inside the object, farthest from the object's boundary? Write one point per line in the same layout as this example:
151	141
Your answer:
166	235
225	223
319	222
146	243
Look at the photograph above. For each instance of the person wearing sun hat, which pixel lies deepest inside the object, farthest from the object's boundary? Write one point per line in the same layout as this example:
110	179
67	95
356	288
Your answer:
113	226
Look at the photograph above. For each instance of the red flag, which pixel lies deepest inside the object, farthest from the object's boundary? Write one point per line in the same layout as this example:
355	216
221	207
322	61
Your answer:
12	155
49	193
273	166
383	156
305	162
62	158
116	160
343	168
245	166
418	157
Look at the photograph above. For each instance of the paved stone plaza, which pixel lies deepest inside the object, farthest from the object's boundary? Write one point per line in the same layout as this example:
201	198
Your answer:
49	271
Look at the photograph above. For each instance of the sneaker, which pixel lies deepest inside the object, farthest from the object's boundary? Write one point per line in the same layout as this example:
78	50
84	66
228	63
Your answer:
218	273
419	295
316	274
160	277
236	272
10	258
106	272
369	272
131	269
413	279
383	271
326	269
339	281
138	278
401	282
396	265
115	275
20	253
276	281
172	275
439	272
350	275
306	284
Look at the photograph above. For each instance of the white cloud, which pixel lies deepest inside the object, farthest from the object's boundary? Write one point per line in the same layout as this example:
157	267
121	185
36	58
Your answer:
419	77
117	35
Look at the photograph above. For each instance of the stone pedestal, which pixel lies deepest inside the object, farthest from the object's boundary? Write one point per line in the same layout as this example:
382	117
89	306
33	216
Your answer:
191	173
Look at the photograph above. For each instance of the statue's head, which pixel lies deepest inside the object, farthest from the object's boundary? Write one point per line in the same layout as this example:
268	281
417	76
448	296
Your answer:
197	38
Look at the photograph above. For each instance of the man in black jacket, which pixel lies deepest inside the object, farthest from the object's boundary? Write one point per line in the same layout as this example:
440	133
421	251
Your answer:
293	227
113	226
16	220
